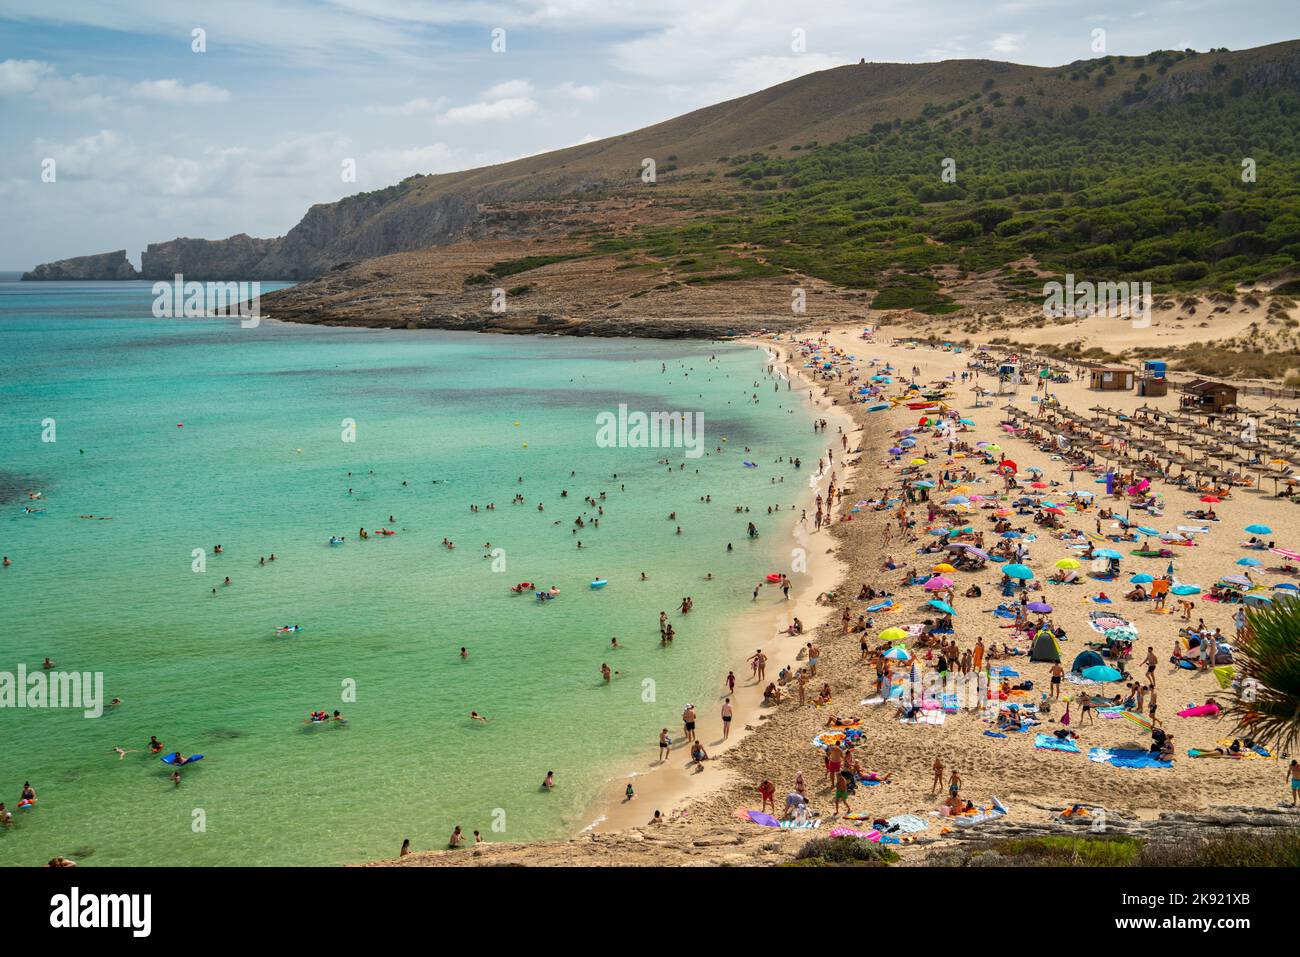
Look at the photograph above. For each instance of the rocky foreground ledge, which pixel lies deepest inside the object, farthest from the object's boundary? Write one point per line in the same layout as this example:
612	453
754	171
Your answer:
687	845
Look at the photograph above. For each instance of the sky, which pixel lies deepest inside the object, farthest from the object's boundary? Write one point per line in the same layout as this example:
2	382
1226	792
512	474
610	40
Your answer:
121	125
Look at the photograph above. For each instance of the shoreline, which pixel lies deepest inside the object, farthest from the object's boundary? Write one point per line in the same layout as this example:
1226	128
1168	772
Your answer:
1034	786
666	787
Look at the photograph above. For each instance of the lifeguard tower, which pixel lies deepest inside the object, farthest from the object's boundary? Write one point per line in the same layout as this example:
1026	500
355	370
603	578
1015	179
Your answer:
1153	382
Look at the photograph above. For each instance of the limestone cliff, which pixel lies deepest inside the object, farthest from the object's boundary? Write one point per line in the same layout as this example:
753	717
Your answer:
112	265
237	258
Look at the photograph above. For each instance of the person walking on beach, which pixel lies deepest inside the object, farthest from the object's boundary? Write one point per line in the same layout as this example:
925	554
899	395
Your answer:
665	745
688	721
937	768
1057	673
731	682
1150	662
726	718
814	656
758	661
954	784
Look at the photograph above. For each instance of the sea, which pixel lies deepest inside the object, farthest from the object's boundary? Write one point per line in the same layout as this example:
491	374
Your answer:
132	446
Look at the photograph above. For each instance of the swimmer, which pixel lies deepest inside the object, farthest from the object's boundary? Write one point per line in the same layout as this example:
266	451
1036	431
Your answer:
464	654
549	781
47	664
475	716
123	752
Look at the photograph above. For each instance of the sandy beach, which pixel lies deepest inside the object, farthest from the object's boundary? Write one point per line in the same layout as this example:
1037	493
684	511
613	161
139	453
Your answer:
1031	783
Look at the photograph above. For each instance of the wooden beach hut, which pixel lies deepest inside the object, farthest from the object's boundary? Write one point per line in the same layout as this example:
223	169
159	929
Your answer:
1205	395
1111	379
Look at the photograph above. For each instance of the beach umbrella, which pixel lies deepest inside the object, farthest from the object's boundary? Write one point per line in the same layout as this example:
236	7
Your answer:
1141	578
878	407
893	634
896	451
1286	586
923	484
1010	535
1186	590
1147	530
897	653
978	553
1068	563
943	606
1249	561
1040	607
1211	499
1107	553
958	500
938	583
1223	675
1101	673
1038	485
918	461
1259	530
943	567
1287	553
1022	572
1121	633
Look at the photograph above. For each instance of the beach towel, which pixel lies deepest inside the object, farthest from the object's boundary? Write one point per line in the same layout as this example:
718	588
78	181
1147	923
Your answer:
1126	758
907	824
994	734
1049	742
758	817
800	825
841	831
925	717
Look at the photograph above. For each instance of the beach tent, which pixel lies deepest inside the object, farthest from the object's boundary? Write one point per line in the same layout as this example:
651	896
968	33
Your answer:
1102	673
1087	659
1046	647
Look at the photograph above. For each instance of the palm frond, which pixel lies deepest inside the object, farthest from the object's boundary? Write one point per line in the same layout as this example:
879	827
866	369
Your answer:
1270	654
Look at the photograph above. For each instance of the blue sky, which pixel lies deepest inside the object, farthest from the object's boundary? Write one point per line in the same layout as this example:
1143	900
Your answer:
152	140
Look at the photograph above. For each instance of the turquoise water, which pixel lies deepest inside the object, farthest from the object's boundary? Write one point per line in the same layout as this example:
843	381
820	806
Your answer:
260	466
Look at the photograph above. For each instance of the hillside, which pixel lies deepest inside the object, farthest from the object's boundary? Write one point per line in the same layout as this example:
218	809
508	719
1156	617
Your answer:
767	135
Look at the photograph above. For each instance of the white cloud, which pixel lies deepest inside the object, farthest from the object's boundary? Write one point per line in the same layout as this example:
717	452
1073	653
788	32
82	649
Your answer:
22	76
579	92
510	89
416	107
490	112
1007	42
509	100
174	91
